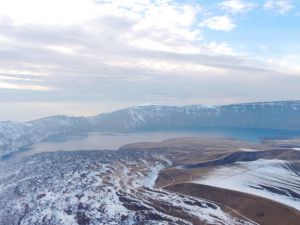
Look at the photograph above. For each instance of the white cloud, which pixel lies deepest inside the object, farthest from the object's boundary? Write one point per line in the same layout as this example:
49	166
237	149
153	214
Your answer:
162	66
282	6
49	12
236	6
166	26
104	51
7	85
218	23
149	44
288	63
220	48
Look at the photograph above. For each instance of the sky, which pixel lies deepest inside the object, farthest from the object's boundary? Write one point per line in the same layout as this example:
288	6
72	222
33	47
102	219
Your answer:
85	57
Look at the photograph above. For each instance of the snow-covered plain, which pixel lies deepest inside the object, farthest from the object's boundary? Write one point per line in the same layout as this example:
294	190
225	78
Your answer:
273	179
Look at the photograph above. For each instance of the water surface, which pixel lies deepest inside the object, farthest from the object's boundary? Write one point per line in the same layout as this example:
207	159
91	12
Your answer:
114	140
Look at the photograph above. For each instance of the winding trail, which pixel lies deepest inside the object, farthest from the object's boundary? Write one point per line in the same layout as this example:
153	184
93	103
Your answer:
171	183
201	199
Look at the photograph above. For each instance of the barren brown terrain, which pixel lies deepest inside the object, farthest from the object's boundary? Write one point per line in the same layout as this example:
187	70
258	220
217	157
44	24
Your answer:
194	158
260	210
193	149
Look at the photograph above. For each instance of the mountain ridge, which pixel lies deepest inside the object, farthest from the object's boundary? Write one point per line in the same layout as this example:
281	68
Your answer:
262	103
283	115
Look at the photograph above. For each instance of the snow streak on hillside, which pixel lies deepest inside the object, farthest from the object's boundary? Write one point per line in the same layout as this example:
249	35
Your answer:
273	179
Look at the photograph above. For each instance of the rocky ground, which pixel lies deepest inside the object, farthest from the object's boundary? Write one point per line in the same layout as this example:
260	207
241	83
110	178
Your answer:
99	187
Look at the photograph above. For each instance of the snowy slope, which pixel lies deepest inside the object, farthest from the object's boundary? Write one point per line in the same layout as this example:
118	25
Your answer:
273	179
97	187
14	135
272	115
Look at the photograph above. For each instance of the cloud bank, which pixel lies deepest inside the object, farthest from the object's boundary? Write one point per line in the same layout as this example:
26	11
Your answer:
85	57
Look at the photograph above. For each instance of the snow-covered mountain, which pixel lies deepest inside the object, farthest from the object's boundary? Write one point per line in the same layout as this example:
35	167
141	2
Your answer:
270	115
15	135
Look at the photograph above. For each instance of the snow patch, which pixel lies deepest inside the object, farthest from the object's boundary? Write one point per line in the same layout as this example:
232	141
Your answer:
259	178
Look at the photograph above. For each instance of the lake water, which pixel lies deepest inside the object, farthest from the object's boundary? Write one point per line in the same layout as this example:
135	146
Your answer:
113	141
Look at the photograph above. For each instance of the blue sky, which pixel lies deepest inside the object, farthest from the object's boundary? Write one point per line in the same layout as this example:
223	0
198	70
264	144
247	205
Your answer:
258	28
84	57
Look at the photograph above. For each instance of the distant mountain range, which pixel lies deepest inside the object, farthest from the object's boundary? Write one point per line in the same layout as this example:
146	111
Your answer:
266	115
